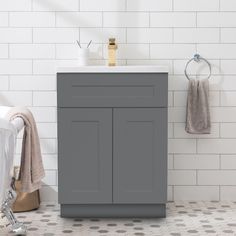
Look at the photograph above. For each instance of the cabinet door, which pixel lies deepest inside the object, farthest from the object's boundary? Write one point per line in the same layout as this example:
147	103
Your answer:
85	155
140	155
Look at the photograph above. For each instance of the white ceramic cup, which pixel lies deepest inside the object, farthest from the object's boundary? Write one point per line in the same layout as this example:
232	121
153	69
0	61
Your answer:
83	56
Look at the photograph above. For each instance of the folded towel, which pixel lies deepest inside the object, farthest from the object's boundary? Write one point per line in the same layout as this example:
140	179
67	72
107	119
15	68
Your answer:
31	169
198	112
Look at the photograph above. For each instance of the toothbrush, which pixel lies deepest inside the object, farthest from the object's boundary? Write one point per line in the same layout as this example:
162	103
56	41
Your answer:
78	43
89	43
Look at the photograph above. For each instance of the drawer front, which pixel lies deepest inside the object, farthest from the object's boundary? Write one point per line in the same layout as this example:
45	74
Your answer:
112	89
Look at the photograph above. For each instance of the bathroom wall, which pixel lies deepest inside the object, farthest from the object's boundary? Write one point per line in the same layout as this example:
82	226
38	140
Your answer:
36	36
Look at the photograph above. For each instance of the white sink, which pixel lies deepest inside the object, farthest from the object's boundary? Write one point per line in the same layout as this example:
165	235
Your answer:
114	69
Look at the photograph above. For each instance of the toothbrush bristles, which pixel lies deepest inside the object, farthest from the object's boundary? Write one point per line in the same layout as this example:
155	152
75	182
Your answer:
89	43
78	43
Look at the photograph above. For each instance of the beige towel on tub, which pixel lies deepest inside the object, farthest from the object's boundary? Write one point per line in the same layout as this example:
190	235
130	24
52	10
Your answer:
31	169
198	111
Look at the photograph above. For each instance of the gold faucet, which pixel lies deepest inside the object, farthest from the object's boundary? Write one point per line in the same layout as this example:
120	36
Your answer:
112	47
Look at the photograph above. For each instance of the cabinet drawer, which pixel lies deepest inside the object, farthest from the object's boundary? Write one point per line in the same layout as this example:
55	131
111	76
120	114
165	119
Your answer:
112	89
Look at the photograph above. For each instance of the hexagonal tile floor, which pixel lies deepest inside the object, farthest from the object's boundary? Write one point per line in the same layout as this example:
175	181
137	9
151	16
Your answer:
183	218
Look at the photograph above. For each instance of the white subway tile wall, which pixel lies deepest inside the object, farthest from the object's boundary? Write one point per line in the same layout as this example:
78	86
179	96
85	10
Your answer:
37	36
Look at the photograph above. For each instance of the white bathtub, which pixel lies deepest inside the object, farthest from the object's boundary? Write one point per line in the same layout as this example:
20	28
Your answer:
3	111
6	161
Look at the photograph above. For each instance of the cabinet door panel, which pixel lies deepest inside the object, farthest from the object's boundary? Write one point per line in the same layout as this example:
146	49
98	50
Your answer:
140	155
85	155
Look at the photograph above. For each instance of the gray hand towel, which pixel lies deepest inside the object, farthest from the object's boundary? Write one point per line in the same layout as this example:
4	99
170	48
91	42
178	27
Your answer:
198	112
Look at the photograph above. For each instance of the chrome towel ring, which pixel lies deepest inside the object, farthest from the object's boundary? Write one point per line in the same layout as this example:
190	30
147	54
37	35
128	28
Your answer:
197	58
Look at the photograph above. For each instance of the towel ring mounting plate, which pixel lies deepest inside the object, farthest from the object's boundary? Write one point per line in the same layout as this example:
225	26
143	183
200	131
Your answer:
197	58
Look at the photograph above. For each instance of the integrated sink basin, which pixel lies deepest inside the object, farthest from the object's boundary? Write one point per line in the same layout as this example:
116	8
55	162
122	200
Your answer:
114	69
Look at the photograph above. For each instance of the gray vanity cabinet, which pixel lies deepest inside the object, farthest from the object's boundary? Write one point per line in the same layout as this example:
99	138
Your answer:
112	144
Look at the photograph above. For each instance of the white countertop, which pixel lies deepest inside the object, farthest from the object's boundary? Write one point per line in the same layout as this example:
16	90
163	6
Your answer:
114	69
